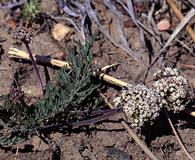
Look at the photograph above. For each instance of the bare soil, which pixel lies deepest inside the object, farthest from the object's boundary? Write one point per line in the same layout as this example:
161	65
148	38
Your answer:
107	140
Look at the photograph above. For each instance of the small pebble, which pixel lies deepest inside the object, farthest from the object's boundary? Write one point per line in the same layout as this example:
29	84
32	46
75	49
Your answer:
60	31
163	25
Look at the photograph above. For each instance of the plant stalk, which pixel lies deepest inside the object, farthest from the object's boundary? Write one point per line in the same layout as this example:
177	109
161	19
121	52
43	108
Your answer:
102	117
35	67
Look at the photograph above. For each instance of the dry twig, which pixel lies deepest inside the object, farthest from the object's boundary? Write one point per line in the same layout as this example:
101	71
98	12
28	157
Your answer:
180	26
50	61
181	17
181	64
177	136
15	53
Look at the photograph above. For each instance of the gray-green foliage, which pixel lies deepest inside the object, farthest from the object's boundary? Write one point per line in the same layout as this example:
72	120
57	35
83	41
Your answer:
69	91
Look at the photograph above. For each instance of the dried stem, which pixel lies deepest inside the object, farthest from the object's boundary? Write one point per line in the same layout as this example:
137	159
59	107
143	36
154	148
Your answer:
181	64
50	61
177	136
181	17
21	54
179	27
95	120
14	52
93	113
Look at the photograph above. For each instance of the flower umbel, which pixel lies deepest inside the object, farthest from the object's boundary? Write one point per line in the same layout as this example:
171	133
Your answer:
23	35
173	87
140	104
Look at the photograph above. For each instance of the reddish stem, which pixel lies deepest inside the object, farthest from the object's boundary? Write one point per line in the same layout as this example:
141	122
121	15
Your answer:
35	67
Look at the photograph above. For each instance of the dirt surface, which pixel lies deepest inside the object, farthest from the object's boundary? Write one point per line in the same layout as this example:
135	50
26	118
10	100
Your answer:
107	140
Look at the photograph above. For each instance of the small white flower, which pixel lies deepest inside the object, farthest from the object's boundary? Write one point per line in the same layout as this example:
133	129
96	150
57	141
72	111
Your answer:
173	87
143	105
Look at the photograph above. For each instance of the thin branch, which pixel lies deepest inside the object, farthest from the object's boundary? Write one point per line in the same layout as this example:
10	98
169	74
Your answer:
181	64
14	53
177	136
95	120
181	17
180	26
50	61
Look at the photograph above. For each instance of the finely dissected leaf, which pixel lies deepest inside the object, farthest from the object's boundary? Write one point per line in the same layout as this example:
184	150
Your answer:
69	91
6	142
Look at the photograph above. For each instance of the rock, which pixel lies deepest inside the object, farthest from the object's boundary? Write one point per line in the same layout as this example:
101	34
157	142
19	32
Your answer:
38	144
60	31
163	25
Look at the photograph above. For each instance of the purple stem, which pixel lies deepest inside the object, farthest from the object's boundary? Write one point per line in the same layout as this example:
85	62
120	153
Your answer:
93	113
82	123
94	120
35	67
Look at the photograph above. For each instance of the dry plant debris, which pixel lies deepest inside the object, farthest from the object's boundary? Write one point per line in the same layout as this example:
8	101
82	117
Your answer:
181	17
140	103
158	75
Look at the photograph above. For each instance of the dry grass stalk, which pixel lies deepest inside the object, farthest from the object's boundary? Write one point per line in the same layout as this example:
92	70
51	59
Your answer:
181	17
182	65
13	52
179	27
177	136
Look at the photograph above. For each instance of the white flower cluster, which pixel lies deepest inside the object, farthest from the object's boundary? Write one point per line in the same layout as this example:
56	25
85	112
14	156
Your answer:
140	104
173	88
165	72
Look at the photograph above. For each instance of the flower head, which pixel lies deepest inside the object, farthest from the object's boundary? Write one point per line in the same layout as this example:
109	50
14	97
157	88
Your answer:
172	87
23	35
140	104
